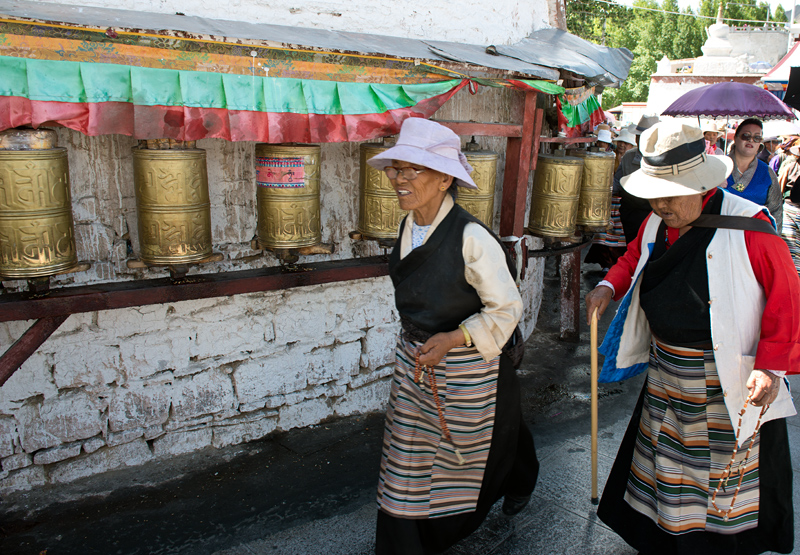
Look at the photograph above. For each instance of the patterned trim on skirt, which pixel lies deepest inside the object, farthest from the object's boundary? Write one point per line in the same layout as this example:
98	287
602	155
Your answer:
420	474
684	442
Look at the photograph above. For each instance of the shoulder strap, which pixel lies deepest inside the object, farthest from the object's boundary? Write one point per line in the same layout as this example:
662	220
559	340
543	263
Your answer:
734	222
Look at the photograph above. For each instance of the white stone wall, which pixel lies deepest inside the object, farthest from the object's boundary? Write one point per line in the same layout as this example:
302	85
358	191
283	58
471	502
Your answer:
123	387
759	44
465	21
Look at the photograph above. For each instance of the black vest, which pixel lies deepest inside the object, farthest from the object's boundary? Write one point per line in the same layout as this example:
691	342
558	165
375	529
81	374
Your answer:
674	291
430	288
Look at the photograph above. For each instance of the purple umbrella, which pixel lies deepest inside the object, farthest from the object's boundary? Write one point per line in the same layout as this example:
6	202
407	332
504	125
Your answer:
731	99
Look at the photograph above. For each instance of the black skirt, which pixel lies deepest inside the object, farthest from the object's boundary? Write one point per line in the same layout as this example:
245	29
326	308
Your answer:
511	468
775	531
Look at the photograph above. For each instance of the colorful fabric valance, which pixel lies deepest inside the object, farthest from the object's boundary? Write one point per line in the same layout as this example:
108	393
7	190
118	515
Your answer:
189	89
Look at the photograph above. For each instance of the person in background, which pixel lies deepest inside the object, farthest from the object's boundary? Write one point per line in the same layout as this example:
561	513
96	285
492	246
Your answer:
791	225
624	142
751	178
770	145
710	310
711	135
632	210
604	138
454	441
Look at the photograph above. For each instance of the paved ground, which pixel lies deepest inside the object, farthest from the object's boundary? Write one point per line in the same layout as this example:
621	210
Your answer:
312	491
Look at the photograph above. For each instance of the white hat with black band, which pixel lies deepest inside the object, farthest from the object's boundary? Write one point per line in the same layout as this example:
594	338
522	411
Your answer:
674	163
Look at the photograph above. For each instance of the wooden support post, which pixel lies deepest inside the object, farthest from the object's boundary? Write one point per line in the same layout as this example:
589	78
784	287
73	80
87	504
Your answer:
570	269
537	137
518	165
26	345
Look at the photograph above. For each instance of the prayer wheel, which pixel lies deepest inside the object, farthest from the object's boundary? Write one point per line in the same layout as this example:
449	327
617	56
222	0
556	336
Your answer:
480	202
173	205
37	235
554	200
379	213
594	204
288	196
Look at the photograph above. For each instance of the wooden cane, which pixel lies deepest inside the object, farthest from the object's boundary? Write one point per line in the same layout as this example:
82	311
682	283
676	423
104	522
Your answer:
594	407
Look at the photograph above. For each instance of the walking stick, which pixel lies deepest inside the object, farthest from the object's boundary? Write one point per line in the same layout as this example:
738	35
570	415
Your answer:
594	407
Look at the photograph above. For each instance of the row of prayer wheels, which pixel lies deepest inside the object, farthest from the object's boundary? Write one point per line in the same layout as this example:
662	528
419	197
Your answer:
37	235
571	191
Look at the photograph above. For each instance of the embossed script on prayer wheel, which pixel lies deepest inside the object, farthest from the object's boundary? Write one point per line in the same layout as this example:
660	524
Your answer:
37	235
594	204
173	206
554	201
379	213
480	202
288	196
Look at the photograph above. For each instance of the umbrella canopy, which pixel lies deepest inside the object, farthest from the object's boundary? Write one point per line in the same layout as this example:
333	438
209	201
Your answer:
781	128
731	99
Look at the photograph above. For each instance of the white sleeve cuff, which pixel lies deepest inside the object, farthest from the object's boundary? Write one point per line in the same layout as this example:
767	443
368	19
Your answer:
609	285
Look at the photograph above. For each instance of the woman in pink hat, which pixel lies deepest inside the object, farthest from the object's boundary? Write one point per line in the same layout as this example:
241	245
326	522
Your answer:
455	441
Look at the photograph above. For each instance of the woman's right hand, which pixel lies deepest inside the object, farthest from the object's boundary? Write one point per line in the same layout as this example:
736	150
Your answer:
598	298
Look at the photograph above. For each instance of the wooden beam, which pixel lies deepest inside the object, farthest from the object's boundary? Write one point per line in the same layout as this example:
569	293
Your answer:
518	165
483	129
567	140
26	345
106	296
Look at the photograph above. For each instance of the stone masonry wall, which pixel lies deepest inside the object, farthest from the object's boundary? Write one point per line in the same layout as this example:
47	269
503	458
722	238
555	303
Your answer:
123	387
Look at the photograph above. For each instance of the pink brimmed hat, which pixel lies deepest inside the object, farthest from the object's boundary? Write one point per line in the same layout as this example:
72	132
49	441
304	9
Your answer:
431	145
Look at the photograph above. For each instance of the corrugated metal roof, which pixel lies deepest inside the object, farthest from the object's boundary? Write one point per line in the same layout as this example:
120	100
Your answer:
539	56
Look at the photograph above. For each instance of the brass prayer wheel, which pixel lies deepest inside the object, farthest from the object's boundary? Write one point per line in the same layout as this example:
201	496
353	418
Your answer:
379	213
288	196
173	206
37	236
480	202
554	200
594	204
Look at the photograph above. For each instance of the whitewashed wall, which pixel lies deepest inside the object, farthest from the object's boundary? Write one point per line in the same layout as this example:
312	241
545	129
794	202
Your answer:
123	387
466	21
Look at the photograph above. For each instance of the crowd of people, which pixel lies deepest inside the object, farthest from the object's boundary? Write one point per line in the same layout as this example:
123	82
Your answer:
765	171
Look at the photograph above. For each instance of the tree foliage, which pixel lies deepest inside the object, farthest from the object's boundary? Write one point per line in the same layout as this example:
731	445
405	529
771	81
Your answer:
651	35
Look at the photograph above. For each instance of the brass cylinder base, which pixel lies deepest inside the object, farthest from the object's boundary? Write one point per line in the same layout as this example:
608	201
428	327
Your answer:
554	201
379	213
288	196
173	206
480	202
37	235
594	204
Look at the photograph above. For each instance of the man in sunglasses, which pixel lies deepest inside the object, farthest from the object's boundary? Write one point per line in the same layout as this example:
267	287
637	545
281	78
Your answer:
751	178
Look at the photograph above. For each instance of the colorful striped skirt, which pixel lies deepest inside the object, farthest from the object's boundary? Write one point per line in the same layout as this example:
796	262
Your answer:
685	442
658	496
421	474
614	237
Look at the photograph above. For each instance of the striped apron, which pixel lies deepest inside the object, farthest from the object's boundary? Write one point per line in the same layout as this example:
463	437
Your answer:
421	475
684	442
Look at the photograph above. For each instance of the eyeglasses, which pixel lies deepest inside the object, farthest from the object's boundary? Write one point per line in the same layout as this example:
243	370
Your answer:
409	174
751	138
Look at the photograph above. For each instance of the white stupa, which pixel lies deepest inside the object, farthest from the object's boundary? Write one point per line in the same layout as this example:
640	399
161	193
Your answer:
716	58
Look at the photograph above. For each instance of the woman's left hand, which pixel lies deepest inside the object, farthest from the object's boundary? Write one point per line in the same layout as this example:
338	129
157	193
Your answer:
435	348
763	386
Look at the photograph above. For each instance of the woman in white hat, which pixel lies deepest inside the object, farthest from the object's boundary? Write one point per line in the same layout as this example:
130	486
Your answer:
711	133
455	441
711	310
